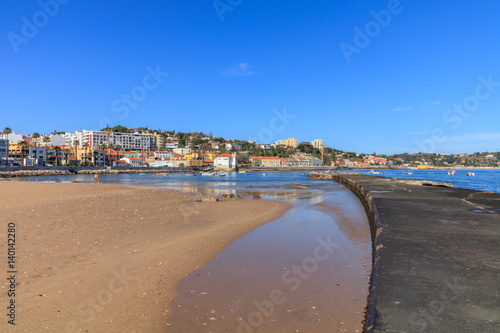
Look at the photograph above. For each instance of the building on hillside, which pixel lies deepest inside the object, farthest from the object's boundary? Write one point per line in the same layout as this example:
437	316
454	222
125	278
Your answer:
291	143
226	162
215	144
182	151
171	145
301	162
209	163
265	161
280	143
126	141
318	144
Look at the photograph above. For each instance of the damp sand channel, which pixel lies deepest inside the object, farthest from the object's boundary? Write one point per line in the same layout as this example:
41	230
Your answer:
307	271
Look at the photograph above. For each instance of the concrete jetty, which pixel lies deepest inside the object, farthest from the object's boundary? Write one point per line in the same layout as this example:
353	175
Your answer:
436	255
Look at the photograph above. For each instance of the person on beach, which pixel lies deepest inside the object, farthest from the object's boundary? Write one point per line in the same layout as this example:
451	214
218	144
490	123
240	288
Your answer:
96	179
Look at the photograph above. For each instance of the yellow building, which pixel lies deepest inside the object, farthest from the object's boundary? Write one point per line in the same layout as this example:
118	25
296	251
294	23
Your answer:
199	163
291	142
262	161
192	156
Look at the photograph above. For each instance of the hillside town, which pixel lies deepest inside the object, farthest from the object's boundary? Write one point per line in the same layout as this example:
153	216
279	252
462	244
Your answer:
140	147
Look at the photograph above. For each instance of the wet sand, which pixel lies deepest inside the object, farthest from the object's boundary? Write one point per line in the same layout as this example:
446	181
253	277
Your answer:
108	258
307	271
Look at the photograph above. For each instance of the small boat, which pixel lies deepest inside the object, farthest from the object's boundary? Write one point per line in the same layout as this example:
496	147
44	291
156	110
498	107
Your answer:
190	174
468	173
162	174
247	173
410	173
372	172
302	173
264	174
220	174
208	173
452	173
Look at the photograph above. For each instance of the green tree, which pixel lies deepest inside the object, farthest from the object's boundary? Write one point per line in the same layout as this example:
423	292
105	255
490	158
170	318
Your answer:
86	146
66	152
76	144
7	131
24	145
56	151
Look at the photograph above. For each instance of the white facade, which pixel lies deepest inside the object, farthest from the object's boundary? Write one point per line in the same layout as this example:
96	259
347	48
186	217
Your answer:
133	162
127	141
318	143
12	137
226	162
57	140
38	155
182	151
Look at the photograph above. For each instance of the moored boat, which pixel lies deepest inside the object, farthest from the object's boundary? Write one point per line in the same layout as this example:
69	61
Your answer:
208	173
190	174
468	173
452	172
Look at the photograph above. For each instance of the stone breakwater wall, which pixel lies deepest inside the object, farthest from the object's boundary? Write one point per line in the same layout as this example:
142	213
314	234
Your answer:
76	171
375	229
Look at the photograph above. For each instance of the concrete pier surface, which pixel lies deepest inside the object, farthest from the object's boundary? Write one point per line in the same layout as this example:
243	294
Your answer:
437	256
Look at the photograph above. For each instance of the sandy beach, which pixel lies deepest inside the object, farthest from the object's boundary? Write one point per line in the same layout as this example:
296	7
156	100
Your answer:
107	258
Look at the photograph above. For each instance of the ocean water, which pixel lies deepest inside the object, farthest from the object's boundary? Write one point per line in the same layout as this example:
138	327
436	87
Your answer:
484	179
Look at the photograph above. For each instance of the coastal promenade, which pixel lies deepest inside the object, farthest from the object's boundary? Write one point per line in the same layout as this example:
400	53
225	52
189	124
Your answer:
437	255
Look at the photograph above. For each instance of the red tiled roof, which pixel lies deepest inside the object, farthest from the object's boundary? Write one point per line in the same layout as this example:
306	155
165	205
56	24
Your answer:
225	155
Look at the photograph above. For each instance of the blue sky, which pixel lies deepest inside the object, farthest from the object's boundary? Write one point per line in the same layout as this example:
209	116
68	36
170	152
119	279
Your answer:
364	76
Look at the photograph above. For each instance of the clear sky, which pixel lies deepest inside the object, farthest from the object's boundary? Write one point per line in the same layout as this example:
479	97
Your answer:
364	76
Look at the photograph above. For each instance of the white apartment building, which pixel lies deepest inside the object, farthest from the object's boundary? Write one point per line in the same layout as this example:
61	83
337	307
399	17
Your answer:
318	143
4	151
13	137
280	143
226	162
127	141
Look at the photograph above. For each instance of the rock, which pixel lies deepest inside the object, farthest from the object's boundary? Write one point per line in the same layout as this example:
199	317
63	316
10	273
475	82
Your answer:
257	197
231	196
208	199
300	186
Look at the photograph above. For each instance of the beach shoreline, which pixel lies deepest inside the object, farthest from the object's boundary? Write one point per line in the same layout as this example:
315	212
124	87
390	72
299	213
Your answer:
109	257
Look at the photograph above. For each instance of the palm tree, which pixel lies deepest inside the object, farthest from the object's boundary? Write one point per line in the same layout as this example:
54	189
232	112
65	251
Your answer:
46	140
66	153
86	146
7	131
35	136
76	144
56	150
23	144
96	156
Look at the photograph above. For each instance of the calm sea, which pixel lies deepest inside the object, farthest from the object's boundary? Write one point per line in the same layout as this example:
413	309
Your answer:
484	180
